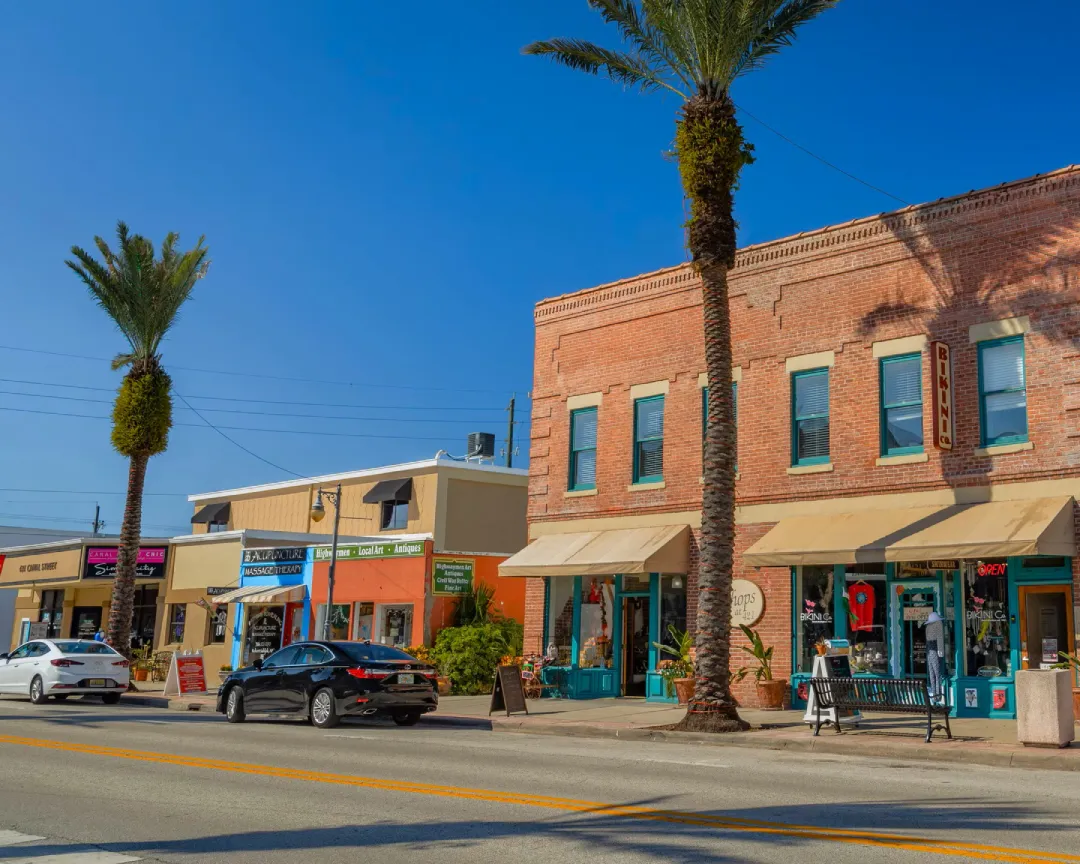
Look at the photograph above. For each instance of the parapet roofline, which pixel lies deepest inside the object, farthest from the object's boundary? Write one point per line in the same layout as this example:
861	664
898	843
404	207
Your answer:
255	535
403	468
758	249
73	542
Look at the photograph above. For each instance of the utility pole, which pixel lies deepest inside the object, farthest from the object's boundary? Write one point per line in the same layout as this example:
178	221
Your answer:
98	524
510	435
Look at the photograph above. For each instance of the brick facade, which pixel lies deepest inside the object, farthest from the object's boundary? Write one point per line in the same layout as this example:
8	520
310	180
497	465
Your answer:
934	270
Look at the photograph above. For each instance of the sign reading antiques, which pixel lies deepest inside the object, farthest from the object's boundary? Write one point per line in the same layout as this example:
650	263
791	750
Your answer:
747	603
452	575
357	551
941	388
276	556
101	562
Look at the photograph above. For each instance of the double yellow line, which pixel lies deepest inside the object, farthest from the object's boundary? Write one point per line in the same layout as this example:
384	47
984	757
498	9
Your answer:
967	851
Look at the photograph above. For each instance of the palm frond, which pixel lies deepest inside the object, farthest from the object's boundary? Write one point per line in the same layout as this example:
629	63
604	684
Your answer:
773	27
652	41
630	70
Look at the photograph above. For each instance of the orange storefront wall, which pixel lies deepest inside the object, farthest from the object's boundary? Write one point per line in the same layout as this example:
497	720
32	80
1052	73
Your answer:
509	592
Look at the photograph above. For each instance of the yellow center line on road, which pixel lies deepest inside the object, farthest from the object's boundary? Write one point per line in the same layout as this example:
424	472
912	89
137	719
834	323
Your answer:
968	851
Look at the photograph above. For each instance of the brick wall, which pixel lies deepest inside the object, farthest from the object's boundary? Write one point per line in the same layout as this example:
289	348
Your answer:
934	270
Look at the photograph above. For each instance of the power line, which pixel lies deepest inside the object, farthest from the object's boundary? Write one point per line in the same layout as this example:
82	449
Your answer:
266	377
92	492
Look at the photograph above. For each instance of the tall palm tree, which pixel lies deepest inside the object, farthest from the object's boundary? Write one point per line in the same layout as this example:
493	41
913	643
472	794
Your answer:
143	295
696	49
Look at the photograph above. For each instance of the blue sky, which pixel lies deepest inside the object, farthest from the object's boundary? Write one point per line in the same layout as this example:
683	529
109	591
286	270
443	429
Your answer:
386	196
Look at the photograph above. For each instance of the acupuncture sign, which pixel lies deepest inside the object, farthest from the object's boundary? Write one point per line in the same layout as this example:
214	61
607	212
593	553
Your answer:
941	388
508	694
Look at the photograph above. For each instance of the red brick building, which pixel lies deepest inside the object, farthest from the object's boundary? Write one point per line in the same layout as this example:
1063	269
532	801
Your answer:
850	521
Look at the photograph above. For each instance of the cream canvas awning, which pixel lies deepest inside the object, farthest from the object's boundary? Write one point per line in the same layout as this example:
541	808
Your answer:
262	594
996	529
604	553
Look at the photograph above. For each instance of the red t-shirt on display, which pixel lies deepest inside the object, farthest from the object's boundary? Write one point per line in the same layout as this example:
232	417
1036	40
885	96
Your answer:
861	602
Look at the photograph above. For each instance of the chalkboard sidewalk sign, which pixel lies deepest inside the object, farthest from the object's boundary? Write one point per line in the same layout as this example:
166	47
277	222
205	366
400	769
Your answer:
830	666
508	694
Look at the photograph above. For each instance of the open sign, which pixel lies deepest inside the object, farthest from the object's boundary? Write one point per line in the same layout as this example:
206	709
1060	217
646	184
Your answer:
991	569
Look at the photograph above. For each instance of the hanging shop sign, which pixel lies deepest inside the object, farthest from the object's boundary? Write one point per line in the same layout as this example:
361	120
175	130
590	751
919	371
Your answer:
942	390
452	575
357	551
218	590
101	562
275	556
265	628
747	603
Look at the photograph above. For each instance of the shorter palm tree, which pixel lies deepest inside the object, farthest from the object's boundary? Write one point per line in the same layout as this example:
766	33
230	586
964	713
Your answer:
142	294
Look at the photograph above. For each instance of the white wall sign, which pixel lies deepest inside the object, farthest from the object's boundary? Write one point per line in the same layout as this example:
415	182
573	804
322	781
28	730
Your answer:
747	603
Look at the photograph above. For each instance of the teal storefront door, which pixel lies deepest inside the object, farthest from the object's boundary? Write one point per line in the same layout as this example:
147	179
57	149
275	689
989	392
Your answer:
913	602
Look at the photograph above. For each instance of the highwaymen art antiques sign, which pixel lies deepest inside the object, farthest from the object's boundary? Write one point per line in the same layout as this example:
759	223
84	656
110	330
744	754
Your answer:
452	575
101	562
358	551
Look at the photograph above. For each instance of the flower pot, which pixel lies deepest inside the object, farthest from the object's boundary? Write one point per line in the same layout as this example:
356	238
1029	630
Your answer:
444	685
1076	703
141	674
684	689
822	650
223	674
771	695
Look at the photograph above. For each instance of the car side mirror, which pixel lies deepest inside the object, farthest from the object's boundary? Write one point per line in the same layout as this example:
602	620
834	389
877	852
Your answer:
257	664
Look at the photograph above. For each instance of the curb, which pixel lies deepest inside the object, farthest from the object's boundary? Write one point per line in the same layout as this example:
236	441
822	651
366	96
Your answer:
139	700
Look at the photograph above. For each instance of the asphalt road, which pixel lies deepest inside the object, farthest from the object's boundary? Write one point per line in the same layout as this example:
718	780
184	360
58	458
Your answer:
107	785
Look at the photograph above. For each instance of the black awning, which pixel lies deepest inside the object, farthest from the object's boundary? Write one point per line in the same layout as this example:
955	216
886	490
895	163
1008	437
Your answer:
390	490
212	514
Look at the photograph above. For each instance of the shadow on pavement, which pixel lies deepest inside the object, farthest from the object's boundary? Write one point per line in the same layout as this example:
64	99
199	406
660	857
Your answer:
597	832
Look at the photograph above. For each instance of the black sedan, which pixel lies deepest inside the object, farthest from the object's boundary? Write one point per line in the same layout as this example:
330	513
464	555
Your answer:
325	681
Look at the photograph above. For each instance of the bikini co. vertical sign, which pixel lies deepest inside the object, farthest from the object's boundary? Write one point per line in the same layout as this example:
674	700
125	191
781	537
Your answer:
942	389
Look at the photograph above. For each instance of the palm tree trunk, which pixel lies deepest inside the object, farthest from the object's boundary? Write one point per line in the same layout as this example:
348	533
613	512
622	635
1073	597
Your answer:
123	597
711	153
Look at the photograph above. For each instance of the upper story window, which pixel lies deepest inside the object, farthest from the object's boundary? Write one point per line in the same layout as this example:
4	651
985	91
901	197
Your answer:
1002	392
901	405
734	417
215	527
810	417
582	449
394	515
649	440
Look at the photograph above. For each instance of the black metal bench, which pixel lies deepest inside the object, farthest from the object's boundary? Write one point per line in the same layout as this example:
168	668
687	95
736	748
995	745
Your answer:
886	695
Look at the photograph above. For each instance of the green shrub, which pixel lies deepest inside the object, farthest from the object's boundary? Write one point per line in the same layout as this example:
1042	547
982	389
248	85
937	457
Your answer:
469	655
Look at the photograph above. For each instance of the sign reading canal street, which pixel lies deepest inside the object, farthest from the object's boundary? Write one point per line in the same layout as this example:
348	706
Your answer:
357	551
452	575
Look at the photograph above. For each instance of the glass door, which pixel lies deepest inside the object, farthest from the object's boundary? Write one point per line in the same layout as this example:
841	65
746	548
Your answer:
635	658
1046	624
912	603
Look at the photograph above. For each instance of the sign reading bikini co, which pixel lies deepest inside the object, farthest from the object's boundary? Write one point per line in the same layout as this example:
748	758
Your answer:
101	562
747	603
941	388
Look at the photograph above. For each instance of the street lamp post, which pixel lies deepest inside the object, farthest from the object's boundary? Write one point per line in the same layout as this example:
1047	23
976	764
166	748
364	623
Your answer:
318	513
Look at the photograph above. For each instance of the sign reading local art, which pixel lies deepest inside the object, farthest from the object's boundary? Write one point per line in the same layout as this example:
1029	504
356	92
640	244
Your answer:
356	551
452	575
101	562
942	389
747	603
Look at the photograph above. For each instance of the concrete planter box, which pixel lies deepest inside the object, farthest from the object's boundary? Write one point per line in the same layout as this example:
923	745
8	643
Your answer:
1044	710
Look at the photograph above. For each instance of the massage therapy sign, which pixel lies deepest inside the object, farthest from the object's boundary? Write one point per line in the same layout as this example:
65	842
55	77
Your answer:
941	388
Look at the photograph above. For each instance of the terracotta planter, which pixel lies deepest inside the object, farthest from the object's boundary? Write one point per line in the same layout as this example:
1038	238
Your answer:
444	685
1076	703
822	650
141	674
684	689
771	695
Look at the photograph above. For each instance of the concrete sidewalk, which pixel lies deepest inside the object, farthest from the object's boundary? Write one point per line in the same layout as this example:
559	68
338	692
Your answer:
979	742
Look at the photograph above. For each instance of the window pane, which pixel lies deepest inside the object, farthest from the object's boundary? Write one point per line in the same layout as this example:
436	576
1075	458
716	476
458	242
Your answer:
651	458
284	657
813	438
903	427
560	619
672	608
986	619
814	589
902	381
1006	416
585	468
584	423
865	603
1003	367
597	617
812	395
650	418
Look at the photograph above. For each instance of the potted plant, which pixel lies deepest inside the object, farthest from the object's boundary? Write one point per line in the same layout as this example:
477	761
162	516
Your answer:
770	690
678	669
225	671
822	647
141	663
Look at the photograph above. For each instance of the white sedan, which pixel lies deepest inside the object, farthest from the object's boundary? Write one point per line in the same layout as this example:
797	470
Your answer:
64	667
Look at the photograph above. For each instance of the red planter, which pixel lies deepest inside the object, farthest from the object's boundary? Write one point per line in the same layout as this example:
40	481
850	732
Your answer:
1076	703
684	689
771	695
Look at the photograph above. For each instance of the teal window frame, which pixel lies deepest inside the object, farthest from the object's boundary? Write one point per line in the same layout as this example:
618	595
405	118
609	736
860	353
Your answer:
884	407
570	484
650	478
1004	439
705	418
796	419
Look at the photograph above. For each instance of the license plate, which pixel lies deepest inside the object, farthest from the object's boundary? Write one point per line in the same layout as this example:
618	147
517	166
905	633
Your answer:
406	679
97	682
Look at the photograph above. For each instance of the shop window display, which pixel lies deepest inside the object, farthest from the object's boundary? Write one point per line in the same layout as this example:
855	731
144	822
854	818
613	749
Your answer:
672	607
866	605
986	619
814	592
560	620
339	622
597	611
363	621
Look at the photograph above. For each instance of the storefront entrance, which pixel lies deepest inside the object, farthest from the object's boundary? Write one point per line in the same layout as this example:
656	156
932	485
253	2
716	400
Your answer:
1046	624
913	602
87	621
635	644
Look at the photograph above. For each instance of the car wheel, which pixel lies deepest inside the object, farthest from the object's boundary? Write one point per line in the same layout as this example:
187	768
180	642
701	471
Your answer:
323	710
61	697
410	718
110	698
234	706
37	691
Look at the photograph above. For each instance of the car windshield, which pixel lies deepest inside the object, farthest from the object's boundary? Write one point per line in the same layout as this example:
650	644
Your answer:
363	652
84	648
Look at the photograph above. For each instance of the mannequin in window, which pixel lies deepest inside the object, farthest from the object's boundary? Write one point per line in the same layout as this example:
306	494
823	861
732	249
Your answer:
935	654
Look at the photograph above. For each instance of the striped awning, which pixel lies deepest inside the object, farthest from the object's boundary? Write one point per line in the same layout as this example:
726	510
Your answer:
263	594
